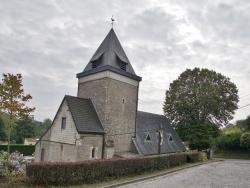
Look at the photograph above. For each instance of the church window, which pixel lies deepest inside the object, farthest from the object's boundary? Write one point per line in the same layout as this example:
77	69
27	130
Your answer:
123	100
93	153
94	64
123	66
148	138
63	123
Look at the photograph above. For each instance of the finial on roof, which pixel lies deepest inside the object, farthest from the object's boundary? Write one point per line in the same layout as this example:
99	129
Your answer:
112	19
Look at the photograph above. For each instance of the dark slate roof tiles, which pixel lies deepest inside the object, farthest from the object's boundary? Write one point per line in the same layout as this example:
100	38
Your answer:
148	124
84	115
109	56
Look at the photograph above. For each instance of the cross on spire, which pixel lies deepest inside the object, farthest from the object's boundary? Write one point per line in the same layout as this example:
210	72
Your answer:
112	21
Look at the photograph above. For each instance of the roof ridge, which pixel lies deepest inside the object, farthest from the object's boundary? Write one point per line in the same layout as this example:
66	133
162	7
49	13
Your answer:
151	113
78	97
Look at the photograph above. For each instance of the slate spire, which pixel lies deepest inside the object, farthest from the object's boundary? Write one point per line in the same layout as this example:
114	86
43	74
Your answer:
110	56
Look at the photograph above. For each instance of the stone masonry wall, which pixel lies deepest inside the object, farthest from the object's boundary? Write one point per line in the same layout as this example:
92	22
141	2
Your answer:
115	103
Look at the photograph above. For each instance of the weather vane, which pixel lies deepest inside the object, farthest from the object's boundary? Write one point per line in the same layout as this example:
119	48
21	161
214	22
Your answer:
112	19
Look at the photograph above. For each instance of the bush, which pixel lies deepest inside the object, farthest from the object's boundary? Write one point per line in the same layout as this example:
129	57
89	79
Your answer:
192	157
245	140
15	167
229	140
24	149
57	173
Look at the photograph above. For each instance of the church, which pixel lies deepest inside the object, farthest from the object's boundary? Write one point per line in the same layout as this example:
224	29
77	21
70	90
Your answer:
103	122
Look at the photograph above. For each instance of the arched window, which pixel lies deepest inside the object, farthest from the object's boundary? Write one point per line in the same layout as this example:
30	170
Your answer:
93	153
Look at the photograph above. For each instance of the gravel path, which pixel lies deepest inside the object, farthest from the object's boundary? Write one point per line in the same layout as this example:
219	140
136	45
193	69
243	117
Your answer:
226	174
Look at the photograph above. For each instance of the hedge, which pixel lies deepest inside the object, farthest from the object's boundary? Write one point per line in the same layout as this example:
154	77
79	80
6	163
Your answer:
73	173
193	157
24	149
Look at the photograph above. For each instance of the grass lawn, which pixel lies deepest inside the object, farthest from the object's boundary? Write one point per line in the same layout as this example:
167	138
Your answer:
232	154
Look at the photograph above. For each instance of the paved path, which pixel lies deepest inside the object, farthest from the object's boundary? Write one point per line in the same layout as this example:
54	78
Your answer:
226	174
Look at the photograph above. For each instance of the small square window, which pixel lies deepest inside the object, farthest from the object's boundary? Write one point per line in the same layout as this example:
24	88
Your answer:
63	123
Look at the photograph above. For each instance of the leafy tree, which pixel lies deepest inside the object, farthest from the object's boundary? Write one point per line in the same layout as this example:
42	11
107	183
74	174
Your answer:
241	123
245	140
24	129
2	130
198	103
12	101
230	139
247	123
46	123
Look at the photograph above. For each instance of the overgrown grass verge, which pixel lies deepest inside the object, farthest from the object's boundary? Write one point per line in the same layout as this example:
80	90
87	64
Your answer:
232	154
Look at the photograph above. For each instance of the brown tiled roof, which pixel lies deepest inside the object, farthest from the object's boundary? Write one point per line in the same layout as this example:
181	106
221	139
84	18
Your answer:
31	139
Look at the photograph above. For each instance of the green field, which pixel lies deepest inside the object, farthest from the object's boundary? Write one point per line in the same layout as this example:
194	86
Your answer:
232	154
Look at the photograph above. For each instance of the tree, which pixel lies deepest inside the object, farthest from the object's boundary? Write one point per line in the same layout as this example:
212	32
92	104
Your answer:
198	103
12	101
2	129
24	129
245	140
247	123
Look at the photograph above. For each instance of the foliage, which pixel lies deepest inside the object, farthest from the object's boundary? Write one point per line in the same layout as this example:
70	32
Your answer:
230	139
24	149
14	167
245	140
235	154
198	103
192	157
244	123
12	101
24	129
247	126
58	173
41	127
2	129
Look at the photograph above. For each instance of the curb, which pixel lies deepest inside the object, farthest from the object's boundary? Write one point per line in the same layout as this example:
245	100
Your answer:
159	175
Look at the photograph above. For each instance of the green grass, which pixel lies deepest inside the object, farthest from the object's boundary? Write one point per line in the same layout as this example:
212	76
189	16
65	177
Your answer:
232	154
1	156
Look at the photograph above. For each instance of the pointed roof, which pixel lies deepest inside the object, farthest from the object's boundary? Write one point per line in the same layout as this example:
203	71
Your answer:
110	56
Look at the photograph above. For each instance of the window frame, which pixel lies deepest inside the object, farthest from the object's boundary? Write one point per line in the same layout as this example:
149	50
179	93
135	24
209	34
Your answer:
63	123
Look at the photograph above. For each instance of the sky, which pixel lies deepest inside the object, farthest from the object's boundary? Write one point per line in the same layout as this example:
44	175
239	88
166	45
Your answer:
50	41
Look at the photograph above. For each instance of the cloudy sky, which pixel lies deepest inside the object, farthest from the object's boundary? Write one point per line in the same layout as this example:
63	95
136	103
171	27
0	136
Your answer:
50	41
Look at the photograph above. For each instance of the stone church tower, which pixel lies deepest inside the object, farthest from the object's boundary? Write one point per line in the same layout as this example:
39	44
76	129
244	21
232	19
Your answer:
111	83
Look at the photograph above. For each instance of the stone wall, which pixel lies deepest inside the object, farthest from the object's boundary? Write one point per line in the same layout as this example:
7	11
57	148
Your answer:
115	103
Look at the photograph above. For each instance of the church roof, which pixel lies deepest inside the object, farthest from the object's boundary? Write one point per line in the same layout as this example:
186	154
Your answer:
110	56
84	115
146	141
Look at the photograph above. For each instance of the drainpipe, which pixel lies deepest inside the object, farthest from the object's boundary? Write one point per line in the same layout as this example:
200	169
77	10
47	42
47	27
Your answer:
136	107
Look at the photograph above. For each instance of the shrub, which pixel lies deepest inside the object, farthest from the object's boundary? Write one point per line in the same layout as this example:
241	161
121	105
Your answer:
229	140
14	168
24	149
192	157
245	140
57	173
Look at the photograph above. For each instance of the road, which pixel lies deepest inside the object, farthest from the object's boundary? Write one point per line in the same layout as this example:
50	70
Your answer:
224	174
